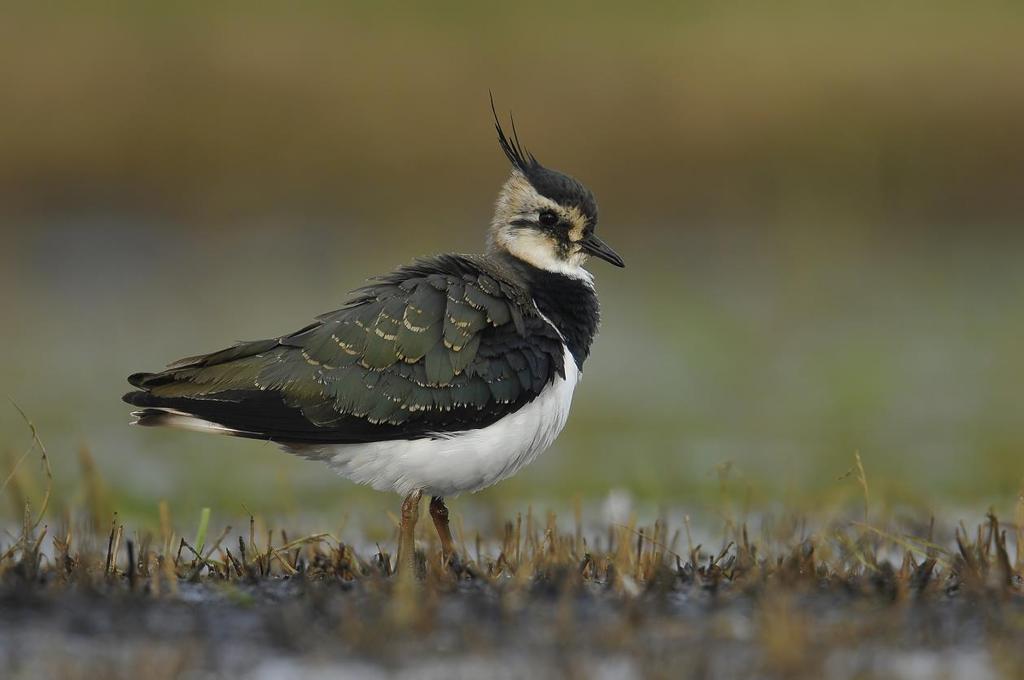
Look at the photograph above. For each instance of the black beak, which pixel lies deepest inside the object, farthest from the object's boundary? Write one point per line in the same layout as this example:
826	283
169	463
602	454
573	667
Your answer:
592	245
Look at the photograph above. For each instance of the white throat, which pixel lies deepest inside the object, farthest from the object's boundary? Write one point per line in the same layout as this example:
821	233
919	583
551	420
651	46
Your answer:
538	251
518	200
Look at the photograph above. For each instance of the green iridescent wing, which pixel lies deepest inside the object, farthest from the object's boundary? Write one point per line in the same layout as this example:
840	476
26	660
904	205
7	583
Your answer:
438	346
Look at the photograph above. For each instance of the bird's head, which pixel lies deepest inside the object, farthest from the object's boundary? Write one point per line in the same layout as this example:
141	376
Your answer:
544	217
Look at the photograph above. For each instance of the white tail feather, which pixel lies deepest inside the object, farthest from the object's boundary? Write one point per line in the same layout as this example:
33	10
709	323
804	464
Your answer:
168	417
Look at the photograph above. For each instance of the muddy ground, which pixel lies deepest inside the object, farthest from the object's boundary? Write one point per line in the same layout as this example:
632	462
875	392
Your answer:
297	627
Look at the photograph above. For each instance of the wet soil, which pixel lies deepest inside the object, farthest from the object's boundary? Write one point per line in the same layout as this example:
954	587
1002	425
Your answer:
294	627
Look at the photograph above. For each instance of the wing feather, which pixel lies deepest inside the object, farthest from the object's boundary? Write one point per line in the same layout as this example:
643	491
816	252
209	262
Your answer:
441	345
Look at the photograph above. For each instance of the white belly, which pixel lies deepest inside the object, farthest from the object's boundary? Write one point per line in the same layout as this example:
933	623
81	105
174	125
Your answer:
466	461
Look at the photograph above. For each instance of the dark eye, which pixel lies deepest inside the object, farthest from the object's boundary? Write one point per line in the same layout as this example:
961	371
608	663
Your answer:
548	218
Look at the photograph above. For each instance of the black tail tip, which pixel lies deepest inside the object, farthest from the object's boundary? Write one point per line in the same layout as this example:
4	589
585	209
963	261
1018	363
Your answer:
138	398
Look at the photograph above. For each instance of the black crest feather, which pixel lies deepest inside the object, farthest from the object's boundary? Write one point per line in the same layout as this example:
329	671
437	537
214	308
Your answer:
522	159
555	185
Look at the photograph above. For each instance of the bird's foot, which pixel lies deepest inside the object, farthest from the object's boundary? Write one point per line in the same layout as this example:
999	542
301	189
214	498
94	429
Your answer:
439	513
407	532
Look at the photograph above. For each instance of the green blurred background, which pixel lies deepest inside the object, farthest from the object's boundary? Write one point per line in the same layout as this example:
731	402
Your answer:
820	205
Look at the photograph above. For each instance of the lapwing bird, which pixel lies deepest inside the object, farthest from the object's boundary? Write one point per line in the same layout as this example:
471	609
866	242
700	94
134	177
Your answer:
445	376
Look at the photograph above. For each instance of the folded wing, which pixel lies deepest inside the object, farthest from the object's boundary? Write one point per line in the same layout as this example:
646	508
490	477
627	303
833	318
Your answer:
434	348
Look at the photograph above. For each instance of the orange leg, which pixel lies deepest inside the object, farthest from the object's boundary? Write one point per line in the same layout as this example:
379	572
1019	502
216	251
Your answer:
406	532
439	513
